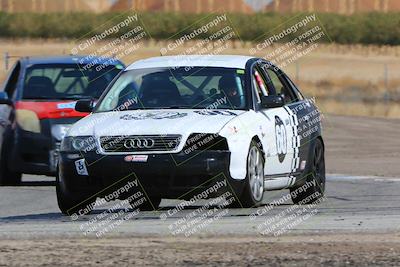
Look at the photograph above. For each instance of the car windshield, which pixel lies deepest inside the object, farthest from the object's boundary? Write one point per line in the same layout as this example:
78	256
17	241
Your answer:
175	88
67	81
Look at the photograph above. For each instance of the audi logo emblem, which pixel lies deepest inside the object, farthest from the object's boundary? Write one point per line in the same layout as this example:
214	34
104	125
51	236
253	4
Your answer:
139	143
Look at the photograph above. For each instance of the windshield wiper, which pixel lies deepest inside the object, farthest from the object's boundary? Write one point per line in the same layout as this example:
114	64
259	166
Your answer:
174	107
150	108
40	98
171	107
75	97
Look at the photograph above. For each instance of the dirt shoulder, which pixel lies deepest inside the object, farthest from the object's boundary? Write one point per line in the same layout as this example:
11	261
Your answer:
349	249
362	146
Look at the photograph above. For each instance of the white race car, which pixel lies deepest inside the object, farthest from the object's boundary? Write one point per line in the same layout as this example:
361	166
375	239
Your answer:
178	124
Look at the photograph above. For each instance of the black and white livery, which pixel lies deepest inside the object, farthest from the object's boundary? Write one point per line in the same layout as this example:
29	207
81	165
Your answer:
176	123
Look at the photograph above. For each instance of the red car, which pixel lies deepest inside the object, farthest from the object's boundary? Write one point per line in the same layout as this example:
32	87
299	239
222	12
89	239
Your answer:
37	108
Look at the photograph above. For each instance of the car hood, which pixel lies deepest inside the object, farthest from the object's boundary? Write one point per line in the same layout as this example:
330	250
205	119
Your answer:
51	109
153	122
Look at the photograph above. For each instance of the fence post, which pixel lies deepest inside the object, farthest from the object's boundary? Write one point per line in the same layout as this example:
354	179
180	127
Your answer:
386	96
386	77
6	58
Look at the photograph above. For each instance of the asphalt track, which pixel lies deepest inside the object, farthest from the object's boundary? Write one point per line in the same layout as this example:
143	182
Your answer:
353	204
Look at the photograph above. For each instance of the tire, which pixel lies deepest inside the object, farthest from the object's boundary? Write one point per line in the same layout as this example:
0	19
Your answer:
253	191
69	205
151	203
315	172
7	177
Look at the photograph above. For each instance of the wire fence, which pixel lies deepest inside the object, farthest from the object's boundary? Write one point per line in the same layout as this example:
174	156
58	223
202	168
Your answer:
329	75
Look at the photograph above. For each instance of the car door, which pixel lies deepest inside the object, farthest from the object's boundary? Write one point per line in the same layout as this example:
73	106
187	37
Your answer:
308	117
279	133
300	112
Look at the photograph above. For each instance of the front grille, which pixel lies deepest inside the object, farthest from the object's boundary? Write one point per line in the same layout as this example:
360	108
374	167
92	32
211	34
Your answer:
139	143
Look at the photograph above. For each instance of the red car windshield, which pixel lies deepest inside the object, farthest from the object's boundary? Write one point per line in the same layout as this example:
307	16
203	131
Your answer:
66	81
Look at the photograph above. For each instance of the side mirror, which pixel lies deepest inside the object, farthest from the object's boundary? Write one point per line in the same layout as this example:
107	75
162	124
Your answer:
85	105
272	101
4	99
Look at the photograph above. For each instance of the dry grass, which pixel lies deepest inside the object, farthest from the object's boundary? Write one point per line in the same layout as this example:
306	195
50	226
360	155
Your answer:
346	80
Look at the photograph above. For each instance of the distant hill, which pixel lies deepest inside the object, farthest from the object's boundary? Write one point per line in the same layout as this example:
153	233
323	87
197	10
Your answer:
44	6
186	6
334	6
249	6
201	6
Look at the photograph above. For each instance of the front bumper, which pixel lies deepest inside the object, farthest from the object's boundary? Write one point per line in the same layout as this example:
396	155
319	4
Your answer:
163	175
34	153
37	153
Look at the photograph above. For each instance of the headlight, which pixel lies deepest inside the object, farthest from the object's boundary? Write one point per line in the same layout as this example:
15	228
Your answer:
81	144
28	120
60	130
201	142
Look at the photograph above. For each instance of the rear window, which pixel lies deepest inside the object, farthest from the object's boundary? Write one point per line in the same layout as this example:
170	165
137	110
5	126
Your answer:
66	81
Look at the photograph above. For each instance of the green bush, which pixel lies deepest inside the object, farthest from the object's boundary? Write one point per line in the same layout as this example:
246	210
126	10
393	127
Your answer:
371	28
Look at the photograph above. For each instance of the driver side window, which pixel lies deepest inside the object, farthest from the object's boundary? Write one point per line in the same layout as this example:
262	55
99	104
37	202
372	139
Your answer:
261	87
11	82
280	87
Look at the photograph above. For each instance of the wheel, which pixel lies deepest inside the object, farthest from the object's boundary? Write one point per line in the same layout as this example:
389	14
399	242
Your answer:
253	191
315	172
69	205
151	203
7	177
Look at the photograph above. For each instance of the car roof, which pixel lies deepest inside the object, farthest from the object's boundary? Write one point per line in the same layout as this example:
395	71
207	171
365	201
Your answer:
70	60
224	61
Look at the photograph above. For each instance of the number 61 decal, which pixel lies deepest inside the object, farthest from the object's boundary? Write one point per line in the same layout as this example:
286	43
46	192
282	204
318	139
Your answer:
281	139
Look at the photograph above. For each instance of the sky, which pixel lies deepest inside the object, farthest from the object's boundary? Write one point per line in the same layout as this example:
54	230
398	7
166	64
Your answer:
258	4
